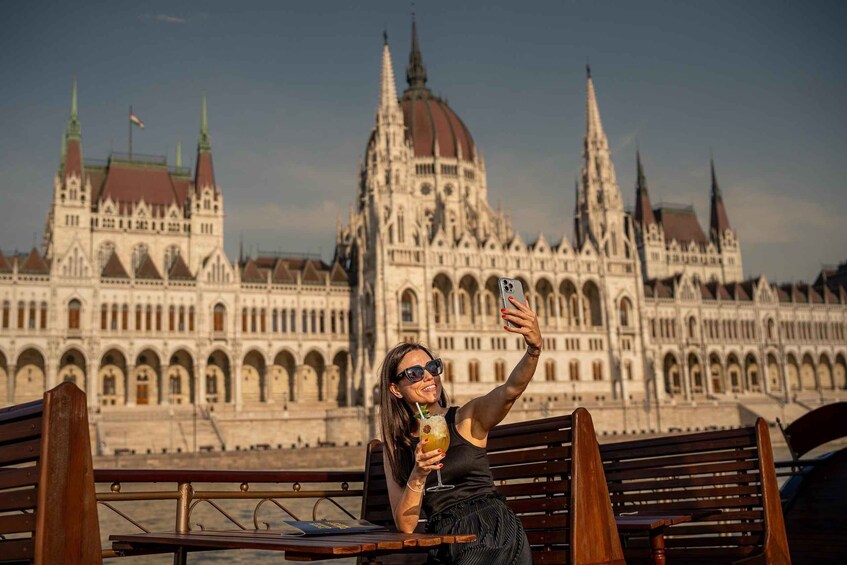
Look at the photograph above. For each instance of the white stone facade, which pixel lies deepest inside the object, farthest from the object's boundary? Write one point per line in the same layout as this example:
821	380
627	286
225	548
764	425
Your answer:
417	259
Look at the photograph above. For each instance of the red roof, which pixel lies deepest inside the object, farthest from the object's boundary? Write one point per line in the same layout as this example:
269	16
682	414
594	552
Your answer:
179	270
114	269
73	158
205	173
251	274
34	264
680	223
130	184
282	270
5	267
281	274
428	119
147	270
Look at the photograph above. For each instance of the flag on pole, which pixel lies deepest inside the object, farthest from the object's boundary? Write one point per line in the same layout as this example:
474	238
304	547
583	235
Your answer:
134	119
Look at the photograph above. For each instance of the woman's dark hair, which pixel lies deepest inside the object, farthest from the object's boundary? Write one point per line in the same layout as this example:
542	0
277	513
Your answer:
397	418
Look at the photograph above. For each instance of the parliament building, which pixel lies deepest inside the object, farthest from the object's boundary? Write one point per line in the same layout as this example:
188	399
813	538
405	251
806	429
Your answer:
132	296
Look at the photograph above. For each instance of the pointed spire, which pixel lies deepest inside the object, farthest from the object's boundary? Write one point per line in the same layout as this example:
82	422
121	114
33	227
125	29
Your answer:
178	154
72	150
415	71
387	90
64	149
594	127
643	208
204	144
73	127
719	222
204	173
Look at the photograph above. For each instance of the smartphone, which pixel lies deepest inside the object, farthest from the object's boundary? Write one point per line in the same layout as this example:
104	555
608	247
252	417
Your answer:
510	287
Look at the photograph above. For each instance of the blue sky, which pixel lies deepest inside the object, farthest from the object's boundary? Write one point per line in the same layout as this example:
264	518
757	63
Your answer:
292	89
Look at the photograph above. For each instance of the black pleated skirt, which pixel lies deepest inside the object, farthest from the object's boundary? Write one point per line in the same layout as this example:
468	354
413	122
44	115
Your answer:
500	538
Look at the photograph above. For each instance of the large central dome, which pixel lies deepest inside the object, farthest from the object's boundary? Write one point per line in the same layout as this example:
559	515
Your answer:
432	127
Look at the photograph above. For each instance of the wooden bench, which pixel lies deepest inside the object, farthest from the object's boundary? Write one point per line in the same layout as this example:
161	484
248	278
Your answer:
551	475
724	480
48	509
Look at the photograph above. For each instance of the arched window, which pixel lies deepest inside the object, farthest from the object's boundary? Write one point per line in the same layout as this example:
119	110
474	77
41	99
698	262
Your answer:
171	253
43	321
139	252
625	310
500	371
408	306
219	316
191	318
573	370
6	310
597	370
104	254
74	314
473	371
448	372
692	327
104	316
550	370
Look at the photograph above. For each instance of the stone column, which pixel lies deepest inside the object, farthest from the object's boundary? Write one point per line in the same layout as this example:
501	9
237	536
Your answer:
706	371
236	384
92	387
10	389
783	374
50	376
200	383
269	387
131	387
165	389
349	381
686	379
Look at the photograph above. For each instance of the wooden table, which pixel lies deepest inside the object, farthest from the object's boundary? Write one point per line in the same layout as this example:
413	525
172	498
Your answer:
654	525
369	546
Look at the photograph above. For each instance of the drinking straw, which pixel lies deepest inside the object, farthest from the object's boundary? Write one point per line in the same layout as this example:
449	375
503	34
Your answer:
420	411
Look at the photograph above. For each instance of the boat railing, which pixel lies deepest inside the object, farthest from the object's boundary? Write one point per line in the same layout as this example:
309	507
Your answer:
285	495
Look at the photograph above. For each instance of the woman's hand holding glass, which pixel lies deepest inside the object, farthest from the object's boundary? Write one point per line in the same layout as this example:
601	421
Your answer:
425	463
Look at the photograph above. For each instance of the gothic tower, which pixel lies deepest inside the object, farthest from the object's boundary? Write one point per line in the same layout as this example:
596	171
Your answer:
722	235
69	219
600	212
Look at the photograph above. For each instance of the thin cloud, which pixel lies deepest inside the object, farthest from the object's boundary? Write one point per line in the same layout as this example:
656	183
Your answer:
164	18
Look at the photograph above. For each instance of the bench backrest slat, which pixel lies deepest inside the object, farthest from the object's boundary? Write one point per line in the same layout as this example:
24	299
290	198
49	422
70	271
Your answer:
725	479
534	467
48	511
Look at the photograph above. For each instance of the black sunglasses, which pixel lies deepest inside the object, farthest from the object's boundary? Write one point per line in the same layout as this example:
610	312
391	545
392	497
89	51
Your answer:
416	373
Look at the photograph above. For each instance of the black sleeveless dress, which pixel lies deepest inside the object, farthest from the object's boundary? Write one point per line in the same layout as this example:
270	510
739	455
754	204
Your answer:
473	507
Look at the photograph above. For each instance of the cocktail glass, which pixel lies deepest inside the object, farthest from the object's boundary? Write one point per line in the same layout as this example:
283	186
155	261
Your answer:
434	428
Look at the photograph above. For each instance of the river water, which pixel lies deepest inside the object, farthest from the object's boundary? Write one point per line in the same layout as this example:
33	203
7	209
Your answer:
160	515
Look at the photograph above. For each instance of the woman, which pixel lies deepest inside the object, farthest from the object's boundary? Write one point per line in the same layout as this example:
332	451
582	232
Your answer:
410	377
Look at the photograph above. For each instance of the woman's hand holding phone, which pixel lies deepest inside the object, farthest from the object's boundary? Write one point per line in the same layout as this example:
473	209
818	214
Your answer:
521	319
